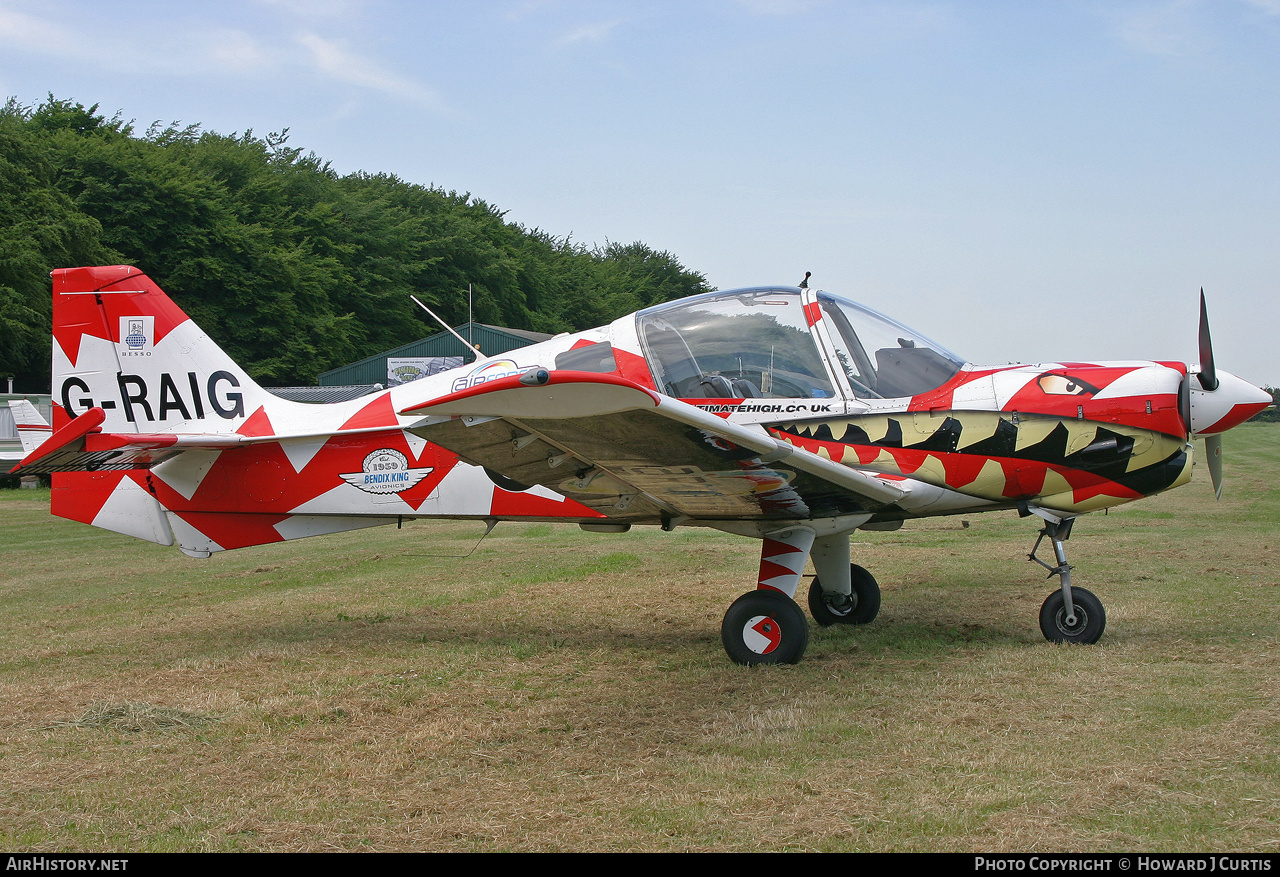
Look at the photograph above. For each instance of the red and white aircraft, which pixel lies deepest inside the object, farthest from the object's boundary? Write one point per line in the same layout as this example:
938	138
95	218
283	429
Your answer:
783	413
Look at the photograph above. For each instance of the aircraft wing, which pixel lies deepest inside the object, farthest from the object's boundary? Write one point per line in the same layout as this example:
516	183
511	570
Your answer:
633	454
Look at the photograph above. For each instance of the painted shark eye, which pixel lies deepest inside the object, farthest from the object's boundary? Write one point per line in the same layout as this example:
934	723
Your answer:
1063	385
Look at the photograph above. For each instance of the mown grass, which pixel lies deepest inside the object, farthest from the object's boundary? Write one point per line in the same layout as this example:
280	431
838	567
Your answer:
558	690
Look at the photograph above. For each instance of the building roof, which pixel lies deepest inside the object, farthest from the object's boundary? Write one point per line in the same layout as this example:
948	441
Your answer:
325	393
492	341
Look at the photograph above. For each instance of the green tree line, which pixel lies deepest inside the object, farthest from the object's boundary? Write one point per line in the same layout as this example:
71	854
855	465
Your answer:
1272	414
291	267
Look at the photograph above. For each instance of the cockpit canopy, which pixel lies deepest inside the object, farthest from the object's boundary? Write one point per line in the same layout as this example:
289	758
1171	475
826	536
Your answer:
786	343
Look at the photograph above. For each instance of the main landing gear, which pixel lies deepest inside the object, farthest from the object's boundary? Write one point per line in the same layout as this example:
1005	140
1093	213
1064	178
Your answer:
765	626
859	606
1069	615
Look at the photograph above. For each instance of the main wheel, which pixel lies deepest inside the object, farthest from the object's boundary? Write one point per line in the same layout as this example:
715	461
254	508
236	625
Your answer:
764	627
1087	626
860	607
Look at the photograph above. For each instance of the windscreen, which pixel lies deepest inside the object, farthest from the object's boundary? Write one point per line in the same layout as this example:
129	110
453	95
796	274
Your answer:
881	357
752	343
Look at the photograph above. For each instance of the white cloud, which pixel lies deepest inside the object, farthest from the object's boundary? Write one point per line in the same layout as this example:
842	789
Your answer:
1163	29
588	33
528	8
317	9
1181	27
779	7
335	60
236	51
171	50
1270	7
29	32
192	50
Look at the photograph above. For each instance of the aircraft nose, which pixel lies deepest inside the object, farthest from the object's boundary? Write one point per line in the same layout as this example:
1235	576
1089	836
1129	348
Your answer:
1230	404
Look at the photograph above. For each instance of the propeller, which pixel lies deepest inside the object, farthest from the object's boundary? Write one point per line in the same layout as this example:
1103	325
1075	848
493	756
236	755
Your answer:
1221	402
1213	453
1208	374
1208	378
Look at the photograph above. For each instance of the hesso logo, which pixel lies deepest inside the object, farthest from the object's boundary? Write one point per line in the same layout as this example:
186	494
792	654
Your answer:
137	335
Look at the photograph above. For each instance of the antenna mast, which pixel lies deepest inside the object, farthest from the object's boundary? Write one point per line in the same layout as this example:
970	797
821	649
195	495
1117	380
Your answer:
446	325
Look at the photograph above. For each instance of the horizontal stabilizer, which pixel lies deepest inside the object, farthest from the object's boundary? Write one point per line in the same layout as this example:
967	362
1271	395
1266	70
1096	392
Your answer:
80	446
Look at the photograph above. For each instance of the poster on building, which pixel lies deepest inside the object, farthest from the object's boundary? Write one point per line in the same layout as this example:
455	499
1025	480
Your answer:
406	369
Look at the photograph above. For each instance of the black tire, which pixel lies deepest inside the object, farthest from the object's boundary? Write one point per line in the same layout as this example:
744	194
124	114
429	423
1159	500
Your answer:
764	627
1091	618
864	600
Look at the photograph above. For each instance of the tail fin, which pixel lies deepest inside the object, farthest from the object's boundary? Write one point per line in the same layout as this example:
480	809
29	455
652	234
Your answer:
122	345
159	435
32	428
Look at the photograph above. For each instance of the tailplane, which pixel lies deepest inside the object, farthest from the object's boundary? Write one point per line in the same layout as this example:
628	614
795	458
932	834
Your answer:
136	382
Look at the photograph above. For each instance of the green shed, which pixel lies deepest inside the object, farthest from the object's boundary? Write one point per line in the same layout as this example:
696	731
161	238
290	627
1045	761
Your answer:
491	341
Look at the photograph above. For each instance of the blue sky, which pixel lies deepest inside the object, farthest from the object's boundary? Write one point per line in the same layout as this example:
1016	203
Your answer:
1023	181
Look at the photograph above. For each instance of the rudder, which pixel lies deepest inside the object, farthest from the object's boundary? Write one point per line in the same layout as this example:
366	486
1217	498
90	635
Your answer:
122	345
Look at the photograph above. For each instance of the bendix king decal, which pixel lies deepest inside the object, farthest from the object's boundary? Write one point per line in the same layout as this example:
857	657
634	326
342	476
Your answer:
386	471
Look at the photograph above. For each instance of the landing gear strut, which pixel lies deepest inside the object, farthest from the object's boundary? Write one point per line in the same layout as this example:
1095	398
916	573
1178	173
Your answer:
765	626
1068	615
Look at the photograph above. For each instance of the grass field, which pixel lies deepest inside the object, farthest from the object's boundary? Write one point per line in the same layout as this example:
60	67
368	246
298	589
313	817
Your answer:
561	691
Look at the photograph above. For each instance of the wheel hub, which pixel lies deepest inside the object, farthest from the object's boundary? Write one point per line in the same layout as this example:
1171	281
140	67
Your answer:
840	604
761	634
1071	624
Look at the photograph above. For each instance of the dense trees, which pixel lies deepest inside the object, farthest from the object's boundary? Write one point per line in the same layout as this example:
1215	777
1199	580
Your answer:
1272	414
289	266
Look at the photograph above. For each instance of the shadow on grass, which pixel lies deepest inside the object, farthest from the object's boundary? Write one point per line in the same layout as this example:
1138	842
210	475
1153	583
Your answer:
695	636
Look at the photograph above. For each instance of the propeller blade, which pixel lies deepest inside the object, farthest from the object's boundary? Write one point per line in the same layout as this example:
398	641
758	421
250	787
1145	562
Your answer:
1213	451
1208	374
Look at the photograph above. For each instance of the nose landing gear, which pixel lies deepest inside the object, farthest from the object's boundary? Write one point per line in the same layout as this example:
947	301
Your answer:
1068	615
859	606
